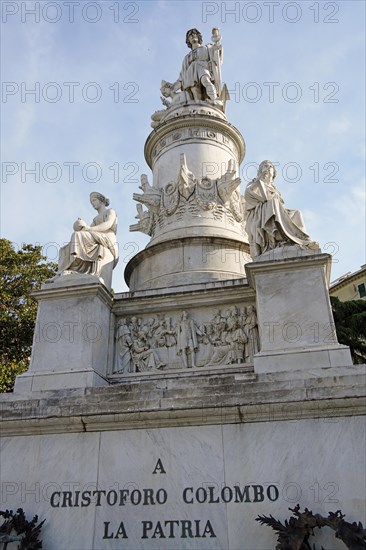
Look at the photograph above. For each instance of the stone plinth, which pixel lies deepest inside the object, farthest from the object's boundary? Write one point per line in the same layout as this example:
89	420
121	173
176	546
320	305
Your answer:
187	261
294	312
72	336
184	445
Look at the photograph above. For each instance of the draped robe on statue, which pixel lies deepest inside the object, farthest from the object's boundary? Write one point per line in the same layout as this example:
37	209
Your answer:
204	60
269	223
87	250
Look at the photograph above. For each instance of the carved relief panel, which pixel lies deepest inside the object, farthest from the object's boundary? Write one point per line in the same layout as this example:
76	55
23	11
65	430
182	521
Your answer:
188	196
186	340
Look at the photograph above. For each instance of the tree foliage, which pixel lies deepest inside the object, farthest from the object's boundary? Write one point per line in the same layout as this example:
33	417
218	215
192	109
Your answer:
350	322
21	272
294	533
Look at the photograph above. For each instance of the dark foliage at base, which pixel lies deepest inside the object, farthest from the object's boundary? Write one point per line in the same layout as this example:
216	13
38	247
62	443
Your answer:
350	322
294	533
26	532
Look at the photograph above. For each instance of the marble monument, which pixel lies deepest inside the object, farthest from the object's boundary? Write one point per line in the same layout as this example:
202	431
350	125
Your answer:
215	390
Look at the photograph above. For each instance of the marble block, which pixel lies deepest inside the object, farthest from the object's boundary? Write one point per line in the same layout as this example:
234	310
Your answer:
71	338
197	487
62	462
185	261
307	461
294	313
192	209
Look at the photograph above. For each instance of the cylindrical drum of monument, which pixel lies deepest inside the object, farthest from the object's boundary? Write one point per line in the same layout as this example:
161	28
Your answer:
195	212
207	147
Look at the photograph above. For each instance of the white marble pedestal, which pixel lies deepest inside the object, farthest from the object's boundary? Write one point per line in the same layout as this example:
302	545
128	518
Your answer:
168	456
71	339
294	312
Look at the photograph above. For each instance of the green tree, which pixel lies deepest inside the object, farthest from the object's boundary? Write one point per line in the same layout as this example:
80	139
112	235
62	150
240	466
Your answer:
21	272
350	322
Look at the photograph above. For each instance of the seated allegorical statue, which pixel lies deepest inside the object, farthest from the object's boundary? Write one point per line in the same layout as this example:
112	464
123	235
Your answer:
93	249
269	224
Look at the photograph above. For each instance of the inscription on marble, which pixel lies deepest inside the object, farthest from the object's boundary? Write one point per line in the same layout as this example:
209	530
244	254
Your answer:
146	496
172	528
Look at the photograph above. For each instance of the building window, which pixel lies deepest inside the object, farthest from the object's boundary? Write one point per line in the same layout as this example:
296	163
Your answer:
362	290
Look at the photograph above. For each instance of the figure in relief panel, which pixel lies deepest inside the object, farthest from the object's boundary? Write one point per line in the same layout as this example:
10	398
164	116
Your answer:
164	334
149	328
187	343
123	347
269	224
251	330
238	339
134	327
234	336
92	247
143	357
222	353
219	325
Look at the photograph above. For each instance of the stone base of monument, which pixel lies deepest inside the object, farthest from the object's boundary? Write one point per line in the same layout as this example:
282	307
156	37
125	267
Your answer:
186	462
72	336
317	357
294	313
180	457
58	380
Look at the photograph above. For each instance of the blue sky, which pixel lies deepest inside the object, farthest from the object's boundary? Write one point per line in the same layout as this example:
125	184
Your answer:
297	80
